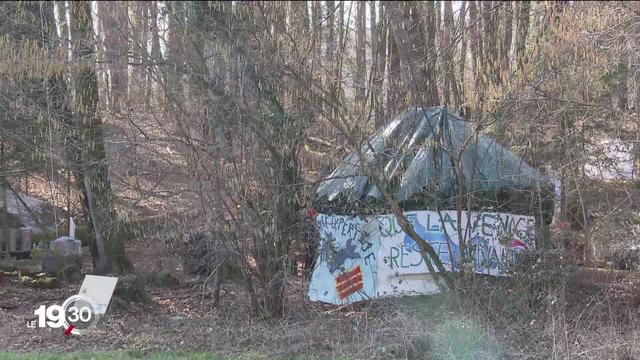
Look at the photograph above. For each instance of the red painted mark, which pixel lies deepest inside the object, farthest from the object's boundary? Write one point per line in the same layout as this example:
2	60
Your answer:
68	331
349	282
312	213
519	244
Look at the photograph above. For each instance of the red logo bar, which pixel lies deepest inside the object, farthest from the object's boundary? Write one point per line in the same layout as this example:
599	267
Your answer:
349	282
68	331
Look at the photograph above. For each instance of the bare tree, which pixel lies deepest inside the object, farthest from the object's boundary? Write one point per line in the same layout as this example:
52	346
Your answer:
451	93
360	74
490	29
475	40
382	28
111	256
461	31
115	23
395	91
522	24
505	42
408	26
374	57
156	54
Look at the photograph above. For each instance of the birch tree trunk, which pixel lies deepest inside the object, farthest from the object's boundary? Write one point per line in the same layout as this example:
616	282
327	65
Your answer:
115	24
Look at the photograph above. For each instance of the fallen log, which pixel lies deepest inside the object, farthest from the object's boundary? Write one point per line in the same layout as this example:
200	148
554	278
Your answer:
619	285
597	277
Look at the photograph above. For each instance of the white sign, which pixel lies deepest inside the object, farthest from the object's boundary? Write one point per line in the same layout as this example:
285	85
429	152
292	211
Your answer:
367	257
99	289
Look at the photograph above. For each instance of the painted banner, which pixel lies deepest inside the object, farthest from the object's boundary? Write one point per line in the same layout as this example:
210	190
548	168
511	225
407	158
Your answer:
368	257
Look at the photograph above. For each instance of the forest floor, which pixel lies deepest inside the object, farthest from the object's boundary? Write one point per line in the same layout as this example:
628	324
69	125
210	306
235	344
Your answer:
488	322
182	319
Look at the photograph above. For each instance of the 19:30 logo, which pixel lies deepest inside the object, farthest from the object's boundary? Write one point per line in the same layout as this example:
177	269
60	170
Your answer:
77	314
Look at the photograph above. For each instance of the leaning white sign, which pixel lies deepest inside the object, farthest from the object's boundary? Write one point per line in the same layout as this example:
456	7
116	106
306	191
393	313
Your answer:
99	289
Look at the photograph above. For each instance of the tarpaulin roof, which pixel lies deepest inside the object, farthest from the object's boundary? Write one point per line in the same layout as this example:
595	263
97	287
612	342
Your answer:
415	155
34	215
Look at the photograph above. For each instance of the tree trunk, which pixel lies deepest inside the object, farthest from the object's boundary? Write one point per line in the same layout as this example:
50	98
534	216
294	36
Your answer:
394	97
343	35
430	51
436	19
330	8
505	45
476	49
374	59
62	26
482	60
156	54
329	61
463	49
60	102
60	99
521	33
120	78
316	55
114	20
104	219
301	29
418	65
621	78
360	75
489	19
174	68
448	51
383	29
140	41
440	66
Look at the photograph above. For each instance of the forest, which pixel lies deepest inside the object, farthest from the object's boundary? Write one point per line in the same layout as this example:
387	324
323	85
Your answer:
211	155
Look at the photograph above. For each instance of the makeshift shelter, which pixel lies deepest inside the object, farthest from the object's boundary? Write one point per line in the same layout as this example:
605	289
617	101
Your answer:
414	152
425	157
26	216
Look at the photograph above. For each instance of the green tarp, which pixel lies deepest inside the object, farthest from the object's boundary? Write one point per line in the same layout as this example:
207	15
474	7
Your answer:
413	154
